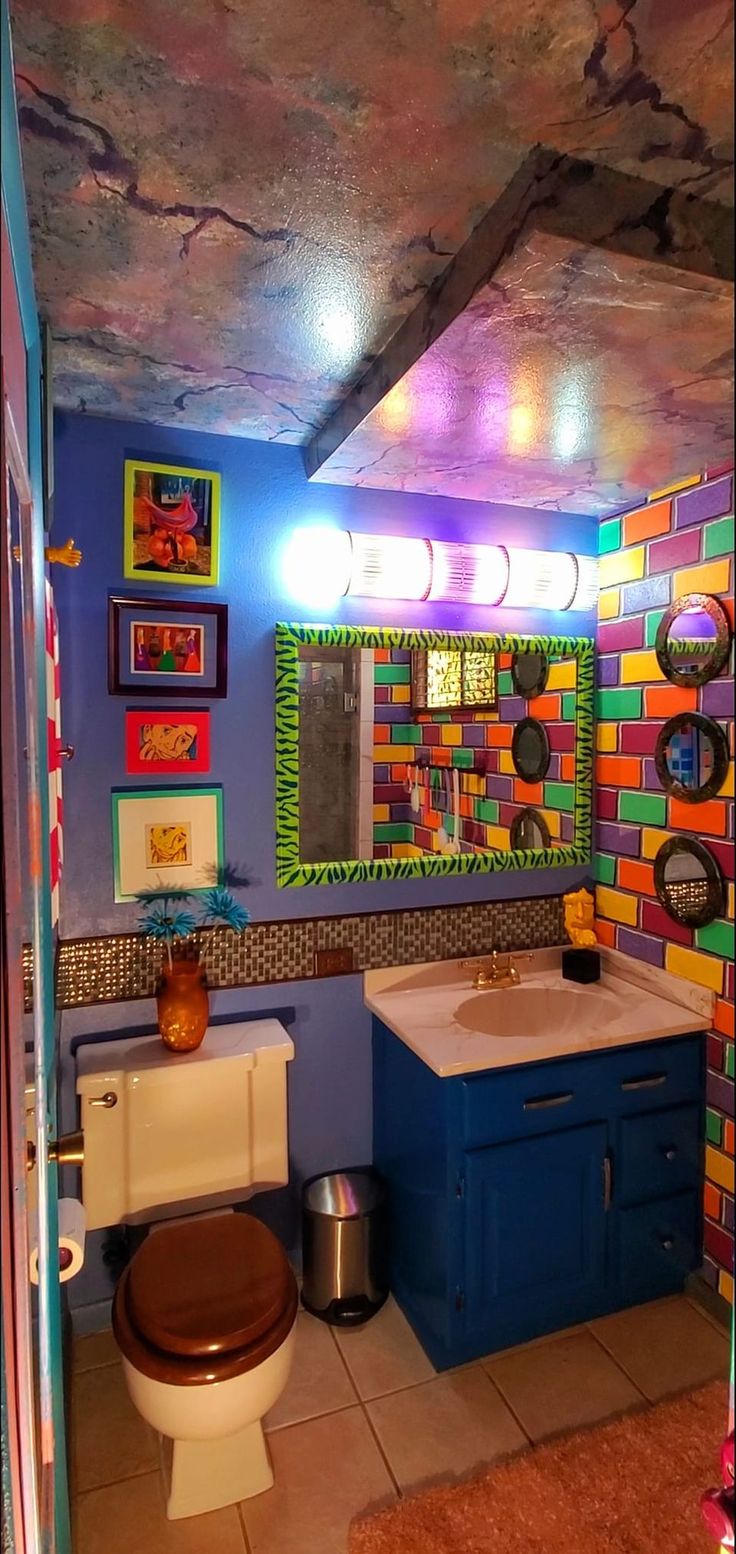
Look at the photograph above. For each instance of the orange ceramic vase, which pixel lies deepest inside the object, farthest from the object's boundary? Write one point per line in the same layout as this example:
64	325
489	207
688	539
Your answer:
183	1005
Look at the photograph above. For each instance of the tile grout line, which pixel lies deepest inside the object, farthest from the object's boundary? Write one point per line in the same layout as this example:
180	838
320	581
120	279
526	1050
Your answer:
326	1413
621	1367
345	1365
708	1316
367	1417
111	1483
509	1405
243	1528
381	1450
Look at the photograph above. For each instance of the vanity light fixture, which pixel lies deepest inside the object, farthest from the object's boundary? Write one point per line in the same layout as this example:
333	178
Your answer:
586	593
385	566
541	579
390	566
469	574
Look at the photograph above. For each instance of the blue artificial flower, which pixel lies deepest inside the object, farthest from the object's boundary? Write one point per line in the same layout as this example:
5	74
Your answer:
219	905
167	926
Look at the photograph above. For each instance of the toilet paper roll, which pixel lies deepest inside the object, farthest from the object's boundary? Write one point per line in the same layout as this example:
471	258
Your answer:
72	1227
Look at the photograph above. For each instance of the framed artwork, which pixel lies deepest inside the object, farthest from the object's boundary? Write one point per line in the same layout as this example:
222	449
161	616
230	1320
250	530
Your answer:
172	523
158	743
166	647
166	837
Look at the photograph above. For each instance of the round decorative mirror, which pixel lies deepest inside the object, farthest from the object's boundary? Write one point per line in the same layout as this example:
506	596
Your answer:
529	829
530	750
693	639
529	673
688	881
691	757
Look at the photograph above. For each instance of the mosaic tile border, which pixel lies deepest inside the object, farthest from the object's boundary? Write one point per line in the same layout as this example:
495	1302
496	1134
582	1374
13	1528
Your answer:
117	968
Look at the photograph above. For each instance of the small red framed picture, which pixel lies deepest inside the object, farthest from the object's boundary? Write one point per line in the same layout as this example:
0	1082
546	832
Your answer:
159	742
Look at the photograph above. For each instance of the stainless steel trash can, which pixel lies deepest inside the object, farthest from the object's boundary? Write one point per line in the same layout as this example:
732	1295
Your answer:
345	1252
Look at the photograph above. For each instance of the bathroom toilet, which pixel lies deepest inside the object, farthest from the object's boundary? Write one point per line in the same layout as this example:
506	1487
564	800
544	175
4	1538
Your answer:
204	1313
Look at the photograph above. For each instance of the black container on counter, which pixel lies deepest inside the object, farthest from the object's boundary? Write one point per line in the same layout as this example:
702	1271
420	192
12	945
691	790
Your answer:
581	965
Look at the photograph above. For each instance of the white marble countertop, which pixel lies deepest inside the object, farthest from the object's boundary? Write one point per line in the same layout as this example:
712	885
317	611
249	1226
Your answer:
435	1010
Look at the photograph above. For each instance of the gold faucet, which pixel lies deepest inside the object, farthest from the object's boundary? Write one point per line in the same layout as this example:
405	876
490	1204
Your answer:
494	970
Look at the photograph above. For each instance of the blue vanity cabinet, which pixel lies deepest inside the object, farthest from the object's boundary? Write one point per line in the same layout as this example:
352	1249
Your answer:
527	1199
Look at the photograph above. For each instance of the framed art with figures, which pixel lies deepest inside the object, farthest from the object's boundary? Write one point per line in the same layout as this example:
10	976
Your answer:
166	647
172	523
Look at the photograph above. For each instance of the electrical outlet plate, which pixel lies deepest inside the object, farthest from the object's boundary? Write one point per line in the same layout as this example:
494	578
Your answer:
333	962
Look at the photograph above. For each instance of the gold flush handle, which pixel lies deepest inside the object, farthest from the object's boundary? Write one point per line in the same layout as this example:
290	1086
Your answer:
67	1150
108	1100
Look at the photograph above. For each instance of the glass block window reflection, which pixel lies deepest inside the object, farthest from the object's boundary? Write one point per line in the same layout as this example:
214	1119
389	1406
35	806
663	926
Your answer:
449	679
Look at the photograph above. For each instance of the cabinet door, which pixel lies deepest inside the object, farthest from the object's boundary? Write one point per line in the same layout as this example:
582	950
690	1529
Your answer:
535	1234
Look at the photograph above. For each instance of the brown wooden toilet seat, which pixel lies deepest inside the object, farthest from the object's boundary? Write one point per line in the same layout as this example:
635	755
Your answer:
205	1300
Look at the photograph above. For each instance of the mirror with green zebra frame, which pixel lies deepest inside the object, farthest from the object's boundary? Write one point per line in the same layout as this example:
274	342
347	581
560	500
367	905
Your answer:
394	753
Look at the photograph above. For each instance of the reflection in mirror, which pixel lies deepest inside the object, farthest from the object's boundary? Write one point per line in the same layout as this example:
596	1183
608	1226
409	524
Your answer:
693	639
688	882
451	679
384	775
691	757
529	829
529	672
530	750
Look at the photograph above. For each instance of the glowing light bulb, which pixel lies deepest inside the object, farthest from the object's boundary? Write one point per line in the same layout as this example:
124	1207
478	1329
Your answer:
469	574
543	579
387	567
316	564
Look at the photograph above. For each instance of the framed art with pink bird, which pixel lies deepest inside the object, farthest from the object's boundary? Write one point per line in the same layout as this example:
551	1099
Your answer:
172	523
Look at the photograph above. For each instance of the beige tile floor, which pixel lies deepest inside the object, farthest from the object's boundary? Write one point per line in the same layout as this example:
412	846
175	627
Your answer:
366	1418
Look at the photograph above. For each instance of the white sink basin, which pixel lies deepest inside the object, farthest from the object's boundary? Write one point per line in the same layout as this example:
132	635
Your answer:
537	1011
434	1009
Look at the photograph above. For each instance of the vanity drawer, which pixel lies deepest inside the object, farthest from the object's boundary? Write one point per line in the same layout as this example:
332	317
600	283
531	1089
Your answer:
560	1093
658	1246
537	1098
659	1153
660	1073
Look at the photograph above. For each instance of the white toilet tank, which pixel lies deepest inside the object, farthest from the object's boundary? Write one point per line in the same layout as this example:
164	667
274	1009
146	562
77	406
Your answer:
183	1130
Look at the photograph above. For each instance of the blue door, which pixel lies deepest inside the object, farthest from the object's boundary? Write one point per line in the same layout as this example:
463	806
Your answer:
535	1235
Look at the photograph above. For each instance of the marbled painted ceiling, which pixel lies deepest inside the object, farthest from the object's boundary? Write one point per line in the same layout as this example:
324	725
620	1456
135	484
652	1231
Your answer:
577	378
235	204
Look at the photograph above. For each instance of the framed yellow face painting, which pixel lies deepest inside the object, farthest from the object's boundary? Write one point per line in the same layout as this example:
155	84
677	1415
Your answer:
166	838
172	524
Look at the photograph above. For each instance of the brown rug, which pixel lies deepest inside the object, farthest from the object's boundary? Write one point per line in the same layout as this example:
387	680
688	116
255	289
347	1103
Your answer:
632	1486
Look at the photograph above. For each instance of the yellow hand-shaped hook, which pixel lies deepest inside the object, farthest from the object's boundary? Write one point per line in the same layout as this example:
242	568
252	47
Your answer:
64	555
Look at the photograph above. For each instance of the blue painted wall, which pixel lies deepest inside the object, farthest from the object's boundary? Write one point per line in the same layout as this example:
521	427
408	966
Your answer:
265	494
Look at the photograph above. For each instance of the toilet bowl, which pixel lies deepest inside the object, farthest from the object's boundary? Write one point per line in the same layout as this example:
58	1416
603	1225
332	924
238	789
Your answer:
204	1317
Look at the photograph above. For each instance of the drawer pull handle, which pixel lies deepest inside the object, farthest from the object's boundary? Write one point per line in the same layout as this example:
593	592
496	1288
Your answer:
647	1082
670	1153
667	1243
539	1103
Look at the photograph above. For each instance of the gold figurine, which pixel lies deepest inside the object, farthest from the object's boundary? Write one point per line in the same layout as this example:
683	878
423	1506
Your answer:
580	918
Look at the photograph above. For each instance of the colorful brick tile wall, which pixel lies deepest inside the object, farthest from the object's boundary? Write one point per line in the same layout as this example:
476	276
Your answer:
478	744
681	541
